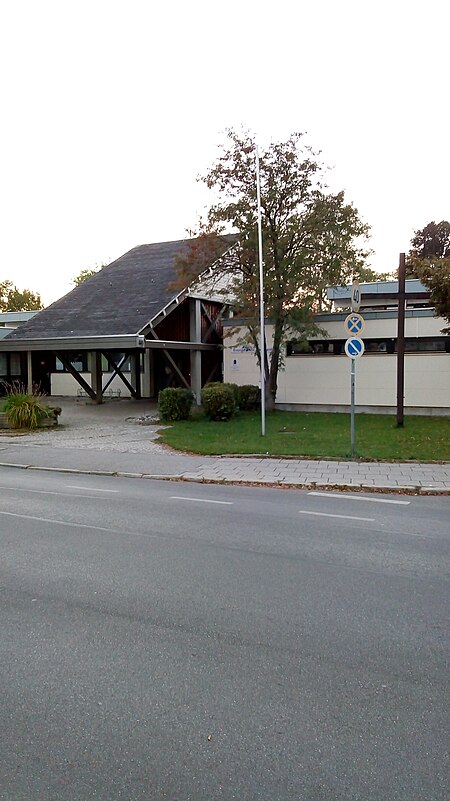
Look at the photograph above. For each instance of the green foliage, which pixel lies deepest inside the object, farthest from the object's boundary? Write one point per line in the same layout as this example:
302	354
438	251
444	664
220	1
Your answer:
24	410
429	260
83	276
12	299
430	242
311	238
435	274
218	401
234	388
175	403
248	397
87	273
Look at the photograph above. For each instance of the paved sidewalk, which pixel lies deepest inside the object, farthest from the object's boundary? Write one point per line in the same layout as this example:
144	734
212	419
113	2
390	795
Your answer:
117	438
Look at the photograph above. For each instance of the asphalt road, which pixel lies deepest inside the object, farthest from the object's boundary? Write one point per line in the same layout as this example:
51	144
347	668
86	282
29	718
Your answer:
166	641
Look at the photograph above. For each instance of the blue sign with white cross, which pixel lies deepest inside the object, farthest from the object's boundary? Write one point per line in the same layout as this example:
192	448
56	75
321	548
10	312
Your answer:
354	347
354	324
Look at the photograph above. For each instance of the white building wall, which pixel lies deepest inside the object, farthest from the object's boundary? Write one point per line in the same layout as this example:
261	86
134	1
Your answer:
64	384
387	327
323	380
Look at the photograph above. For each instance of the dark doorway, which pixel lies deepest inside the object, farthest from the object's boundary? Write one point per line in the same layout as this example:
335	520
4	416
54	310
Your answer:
165	375
43	364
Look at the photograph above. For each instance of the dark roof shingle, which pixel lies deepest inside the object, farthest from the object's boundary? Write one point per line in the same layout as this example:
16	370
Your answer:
120	299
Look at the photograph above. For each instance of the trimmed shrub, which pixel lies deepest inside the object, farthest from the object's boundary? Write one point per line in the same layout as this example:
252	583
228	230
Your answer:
175	403
235	390
218	401
248	397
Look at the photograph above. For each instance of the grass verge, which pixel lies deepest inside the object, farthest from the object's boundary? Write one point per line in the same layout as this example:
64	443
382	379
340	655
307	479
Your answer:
316	435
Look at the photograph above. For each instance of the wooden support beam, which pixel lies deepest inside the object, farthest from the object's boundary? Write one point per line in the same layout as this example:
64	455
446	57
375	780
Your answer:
212	320
117	371
96	375
176	369
71	369
148	377
114	372
136	374
172	363
195	322
29	373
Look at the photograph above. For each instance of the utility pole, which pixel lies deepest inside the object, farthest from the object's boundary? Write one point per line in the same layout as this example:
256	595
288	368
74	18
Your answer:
401	340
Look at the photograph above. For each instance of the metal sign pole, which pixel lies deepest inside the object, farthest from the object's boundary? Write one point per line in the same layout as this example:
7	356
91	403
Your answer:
354	348
352	409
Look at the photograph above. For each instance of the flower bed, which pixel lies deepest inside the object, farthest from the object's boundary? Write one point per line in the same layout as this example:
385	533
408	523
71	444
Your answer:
46	422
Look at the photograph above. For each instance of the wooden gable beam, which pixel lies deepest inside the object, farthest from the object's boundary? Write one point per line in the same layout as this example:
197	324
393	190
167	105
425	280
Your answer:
212	320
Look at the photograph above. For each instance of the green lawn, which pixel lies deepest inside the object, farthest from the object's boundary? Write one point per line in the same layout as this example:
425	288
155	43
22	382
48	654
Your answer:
316	435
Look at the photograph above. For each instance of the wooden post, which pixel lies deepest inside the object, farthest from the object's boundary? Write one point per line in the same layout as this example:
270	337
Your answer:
97	375
401	340
135	359
29	372
148	377
196	355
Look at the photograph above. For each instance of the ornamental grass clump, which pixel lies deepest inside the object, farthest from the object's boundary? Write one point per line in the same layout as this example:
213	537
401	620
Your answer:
24	410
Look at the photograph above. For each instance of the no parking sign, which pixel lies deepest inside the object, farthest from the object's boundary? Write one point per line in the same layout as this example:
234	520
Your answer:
354	324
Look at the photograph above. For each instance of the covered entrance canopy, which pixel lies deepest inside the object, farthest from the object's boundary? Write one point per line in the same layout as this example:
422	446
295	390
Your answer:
124	325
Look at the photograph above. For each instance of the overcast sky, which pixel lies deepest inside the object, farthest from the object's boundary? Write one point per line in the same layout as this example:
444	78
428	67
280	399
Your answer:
110	110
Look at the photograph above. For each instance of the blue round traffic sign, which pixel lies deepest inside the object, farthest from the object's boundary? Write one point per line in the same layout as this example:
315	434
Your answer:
354	347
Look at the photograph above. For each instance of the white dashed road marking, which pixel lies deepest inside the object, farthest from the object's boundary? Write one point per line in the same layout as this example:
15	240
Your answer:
357	498
59	522
46	492
199	500
343	517
89	489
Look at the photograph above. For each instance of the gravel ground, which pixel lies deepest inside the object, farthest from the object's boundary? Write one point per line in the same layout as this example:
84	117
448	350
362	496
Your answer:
124	426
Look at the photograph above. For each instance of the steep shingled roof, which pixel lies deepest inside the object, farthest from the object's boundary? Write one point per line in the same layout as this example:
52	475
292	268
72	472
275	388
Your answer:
119	299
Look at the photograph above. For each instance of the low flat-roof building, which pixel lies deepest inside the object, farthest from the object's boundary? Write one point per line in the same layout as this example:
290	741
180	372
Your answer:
315	374
10	320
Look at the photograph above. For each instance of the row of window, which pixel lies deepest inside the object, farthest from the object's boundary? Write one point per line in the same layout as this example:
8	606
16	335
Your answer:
81	363
336	346
10	364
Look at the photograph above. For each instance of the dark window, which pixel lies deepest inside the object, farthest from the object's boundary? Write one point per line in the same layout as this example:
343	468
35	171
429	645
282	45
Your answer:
336	346
430	345
79	362
115	359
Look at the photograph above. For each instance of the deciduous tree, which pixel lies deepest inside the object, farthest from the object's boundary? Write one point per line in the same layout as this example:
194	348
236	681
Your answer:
87	273
429	260
435	274
12	299
431	241
312	238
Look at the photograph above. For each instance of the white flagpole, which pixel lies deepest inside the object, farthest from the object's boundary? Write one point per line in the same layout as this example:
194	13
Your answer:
261	302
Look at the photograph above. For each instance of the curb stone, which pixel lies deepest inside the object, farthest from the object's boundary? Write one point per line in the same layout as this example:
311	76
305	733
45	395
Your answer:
409	489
